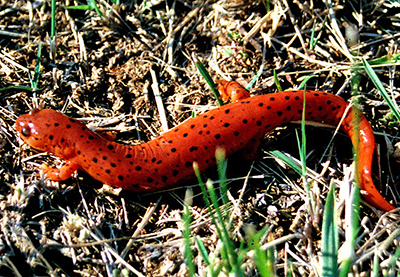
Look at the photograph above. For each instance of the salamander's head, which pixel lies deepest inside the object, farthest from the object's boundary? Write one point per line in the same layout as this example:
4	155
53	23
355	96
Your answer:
39	129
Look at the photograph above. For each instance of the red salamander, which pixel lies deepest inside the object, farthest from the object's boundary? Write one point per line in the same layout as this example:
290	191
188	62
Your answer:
231	90
167	160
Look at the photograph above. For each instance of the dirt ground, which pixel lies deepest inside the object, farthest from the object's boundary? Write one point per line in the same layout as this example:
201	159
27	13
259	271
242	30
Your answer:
108	66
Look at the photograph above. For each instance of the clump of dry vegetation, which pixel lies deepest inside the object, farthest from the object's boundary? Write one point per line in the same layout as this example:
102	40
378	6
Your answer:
109	63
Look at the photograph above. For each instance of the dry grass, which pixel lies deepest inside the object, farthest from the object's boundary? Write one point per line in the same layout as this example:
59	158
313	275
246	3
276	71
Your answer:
114	70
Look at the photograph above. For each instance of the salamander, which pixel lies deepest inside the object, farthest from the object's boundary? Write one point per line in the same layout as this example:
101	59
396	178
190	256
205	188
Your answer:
168	160
231	90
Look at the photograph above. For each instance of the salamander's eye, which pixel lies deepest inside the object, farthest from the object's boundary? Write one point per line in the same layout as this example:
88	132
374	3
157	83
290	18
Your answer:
26	131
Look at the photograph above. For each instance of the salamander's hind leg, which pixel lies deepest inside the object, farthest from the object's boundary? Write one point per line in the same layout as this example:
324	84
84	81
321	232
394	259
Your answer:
59	174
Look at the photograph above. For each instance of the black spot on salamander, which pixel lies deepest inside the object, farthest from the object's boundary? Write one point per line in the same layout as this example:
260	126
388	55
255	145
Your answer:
56	124
188	164
226	125
205	125
51	137
193	148
205	147
113	165
153	160
192	126
217	136
79	152
287	97
272	99
81	136
227	111
68	126
104	158
279	113
288	108
299	111
259	123
108	171
94	160
200	132
329	102
245	121
91	137
316	94
297	98
208	132
128	156
212	117
173	150
268	107
260	104
236	133
149	180
138	168
62	140
110	146
320	108
175	172
309	113
333	109
120	177
185	135
267	126
159	162
164	178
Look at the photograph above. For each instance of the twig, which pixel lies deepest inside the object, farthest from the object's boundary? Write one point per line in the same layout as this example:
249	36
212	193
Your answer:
159	103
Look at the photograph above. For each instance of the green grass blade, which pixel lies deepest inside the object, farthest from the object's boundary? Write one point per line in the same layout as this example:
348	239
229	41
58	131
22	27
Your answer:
53	19
93	6
35	80
80	7
278	85
303	83
203	72
330	237
288	161
16	88
221	168
352	215
264	259
378	84
187	219
313	40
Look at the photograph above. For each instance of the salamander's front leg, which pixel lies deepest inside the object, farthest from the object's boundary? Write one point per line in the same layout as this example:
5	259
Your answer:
59	174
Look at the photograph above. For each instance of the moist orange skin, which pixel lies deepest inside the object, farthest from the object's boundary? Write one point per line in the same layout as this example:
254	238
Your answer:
231	90
167	160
